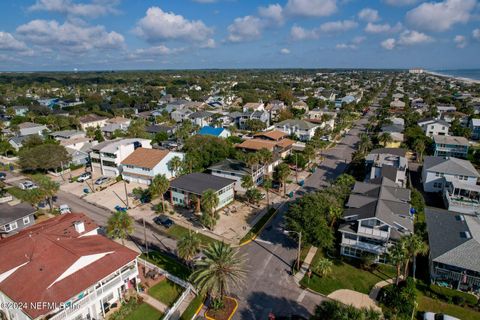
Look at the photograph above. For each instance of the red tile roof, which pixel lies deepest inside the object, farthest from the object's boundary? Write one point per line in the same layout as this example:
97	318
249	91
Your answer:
45	251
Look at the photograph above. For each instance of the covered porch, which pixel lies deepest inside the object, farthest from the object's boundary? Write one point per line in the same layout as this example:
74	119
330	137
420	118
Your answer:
461	197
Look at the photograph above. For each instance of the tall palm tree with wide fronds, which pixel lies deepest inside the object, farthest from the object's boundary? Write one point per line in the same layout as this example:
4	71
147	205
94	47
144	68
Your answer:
267	185
413	244
158	187
397	256
420	149
188	246
334	213
174	165
365	143
385	138
209	203
220	272
120	226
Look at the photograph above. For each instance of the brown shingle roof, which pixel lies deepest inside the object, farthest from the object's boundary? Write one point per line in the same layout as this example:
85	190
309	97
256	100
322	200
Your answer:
272	135
91	118
256	144
145	158
42	253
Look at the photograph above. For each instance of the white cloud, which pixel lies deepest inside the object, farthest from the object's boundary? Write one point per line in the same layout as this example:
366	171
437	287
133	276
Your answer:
411	37
86	10
440	16
343	46
388	44
359	39
160	50
9	43
369	15
245	29
285	51
382	28
273	12
461	41
158	25
71	37
476	34
400	3
299	33
311	8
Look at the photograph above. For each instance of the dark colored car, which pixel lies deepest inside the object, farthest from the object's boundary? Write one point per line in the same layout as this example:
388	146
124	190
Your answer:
3	176
163	221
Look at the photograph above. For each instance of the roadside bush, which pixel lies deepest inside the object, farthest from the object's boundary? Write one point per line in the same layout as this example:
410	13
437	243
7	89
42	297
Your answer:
399	300
454	296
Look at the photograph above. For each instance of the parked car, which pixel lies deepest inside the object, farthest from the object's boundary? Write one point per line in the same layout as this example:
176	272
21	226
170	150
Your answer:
84	176
163	221
27	185
3	176
101	180
64	208
437	316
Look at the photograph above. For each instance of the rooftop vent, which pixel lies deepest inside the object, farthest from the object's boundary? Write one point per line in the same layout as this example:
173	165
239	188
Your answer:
465	235
79	226
460	217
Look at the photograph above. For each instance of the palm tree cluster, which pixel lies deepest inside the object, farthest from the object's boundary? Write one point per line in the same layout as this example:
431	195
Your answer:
405	251
209	203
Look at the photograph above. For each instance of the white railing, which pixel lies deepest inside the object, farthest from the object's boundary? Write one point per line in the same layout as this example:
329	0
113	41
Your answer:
177	303
458	201
364	245
373	232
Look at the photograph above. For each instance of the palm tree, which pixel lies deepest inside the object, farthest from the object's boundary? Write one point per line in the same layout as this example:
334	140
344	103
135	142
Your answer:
247	182
158	187
397	256
221	271
120	225
188	246
283	171
365	143
323	267
334	213
420	148
209	203
267	185
265	156
47	187
174	165
413	244
385	138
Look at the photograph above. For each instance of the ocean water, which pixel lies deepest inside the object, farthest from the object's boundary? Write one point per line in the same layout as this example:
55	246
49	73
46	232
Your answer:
463	73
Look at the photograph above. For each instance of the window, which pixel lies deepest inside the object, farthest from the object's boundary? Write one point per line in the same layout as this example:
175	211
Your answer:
11	226
26	220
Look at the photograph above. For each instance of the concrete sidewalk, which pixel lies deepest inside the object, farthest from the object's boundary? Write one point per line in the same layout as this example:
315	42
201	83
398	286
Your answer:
354	298
305	265
154	302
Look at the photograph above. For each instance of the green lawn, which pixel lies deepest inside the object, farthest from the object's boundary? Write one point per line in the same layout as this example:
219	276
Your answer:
167	263
144	312
434	305
347	275
17	193
166	292
178	232
192	308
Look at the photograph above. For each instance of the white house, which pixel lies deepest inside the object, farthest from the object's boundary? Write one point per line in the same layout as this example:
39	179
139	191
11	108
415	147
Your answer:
236	170
144	164
254	106
433	127
29	128
92	121
108	155
66	271
302	129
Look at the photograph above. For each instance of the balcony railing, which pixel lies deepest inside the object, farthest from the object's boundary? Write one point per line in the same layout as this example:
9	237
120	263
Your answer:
378	249
441	273
374	232
461	201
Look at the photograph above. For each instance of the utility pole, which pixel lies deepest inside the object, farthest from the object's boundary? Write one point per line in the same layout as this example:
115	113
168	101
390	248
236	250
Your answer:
296	167
145	236
126	193
299	249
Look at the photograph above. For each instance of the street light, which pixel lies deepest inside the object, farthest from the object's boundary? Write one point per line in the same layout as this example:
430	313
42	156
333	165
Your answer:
299	245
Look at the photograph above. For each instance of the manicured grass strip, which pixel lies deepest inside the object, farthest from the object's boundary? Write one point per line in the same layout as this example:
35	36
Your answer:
258	227
347	275
167	263
178	232
166	292
434	305
192	308
144	312
17	193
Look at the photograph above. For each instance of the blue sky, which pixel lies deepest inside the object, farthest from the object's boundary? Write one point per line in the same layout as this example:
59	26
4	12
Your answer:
177	34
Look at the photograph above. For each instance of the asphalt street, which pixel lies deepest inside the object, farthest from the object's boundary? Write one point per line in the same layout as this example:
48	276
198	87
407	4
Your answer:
269	286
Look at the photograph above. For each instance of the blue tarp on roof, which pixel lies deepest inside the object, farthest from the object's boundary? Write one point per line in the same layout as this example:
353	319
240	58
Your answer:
210	131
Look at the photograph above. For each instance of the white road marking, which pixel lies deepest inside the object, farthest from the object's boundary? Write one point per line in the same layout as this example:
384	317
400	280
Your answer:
301	296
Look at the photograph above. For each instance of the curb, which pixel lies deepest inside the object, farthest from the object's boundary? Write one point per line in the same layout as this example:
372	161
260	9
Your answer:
198	310
233	311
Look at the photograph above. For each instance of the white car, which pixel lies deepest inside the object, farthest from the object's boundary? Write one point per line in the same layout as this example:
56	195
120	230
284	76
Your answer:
27	185
84	176
437	316
64	208
101	180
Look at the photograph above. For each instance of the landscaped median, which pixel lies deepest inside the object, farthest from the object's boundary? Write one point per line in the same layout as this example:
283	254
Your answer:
258	227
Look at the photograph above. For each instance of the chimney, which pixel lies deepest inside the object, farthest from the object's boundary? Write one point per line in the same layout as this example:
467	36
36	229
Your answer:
79	226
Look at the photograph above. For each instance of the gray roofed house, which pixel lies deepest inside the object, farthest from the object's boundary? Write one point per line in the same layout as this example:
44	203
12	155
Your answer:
201	118
183	188
236	170
387	162
453	166
377	214
304	130
454	242
15	216
29	128
451	146
67	134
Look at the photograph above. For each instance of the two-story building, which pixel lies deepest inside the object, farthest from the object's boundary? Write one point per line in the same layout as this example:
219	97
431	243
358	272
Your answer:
387	162
377	215
107	156
92	121
451	146
435	127
302	129
61	269
143	164
14	215
454	249
475	127
187	190
274	141
236	170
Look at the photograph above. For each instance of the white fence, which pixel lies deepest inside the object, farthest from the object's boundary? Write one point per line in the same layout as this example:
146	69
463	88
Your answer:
188	287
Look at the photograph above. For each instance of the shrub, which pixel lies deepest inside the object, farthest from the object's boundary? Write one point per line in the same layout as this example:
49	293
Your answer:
450	295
